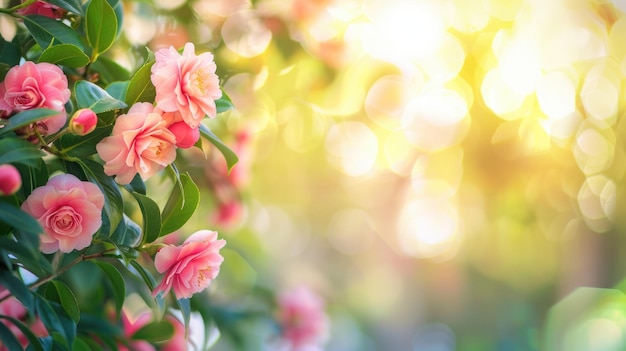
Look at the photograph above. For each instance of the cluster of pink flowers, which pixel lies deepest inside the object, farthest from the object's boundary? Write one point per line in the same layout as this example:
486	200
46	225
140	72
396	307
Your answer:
301	316
144	140
35	85
11	307
176	343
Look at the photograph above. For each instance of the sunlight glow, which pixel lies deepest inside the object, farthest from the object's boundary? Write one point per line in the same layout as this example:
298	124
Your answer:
596	200
353	147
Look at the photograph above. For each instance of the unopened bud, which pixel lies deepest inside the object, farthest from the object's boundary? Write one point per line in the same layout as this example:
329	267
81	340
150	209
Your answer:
83	122
186	136
10	180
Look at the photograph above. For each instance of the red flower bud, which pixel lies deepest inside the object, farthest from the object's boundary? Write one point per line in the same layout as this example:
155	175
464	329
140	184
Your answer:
10	180
83	122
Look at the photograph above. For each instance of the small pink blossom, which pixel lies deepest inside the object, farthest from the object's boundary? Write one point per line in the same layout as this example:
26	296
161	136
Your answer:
228	213
83	122
69	211
191	267
186	136
302	318
186	83
42	8
10	180
140	143
130	327
35	85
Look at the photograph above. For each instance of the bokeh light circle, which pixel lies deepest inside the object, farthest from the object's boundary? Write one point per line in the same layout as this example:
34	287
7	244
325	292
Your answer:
353	147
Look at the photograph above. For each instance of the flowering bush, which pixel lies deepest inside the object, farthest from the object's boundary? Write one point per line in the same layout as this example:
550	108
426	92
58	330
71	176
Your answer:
78	227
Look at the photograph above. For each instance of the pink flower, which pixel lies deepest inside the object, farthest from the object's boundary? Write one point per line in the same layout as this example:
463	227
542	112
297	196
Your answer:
42	8
10	180
302	318
83	122
186	83
186	136
69	211
32	86
228	213
140	143
178	341
130	328
191	267
11	307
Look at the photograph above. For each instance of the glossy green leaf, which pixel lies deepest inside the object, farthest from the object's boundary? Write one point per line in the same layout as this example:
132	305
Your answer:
100	26
127	233
144	274
110	71
113	204
8	339
155	332
229	155
65	54
81	345
66	298
45	30
117	283
140	88
54	319
9	54
180	206
32	177
33	340
14	150
118	89
17	288
224	103
73	6
25	118
28	256
18	219
91	344
136	185
151	215
118	8
82	146
89	95
184	305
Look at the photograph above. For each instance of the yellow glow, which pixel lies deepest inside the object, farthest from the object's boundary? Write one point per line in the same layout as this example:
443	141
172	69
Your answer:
386	100
470	16
351	231
244	34
596	200
399	154
499	97
519	65
438	175
598	334
353	147
446	61
599	97
556	93
593	150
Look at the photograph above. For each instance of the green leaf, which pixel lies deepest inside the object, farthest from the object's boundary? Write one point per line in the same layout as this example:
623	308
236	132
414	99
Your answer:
45	30
66	298
9	53
136	185
28	256
91	96
118	89
100	26
8	339
81	345
33	340
32	177
65	54
17	288
180	206
110	71
19	150
224	103
117	7
83	146
155	332
73	6
54	321
25	118
140	88
89	343
117	283
19	219
127	233
145	275
184	305
151	217
229	155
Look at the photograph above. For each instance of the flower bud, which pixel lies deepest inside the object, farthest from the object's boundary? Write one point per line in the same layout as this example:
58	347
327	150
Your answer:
10	180
186	136
83	122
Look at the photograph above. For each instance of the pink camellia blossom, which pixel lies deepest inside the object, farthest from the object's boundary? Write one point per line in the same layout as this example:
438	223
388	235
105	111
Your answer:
10	180
34	85
191	267
140	143
186	136
69	211
186	83
130	327
83	122
42	8
302	319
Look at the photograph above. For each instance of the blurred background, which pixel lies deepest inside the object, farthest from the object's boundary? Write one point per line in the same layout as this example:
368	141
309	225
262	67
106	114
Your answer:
446	174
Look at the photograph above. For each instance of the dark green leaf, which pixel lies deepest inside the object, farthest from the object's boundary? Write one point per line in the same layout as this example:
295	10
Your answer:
8	339
33	340
65	54
91	344
17	288
81	345
30	258
185	308
145	275
151	217
224	103
229	155
89	95
67	299
140	88
110	71
117	7
117	283
73	6
55	322
19	219
180	206
25	118
155	332
19	150
113	204
9	53
127	233
32	177
100	26
136	185
82	146
45	30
